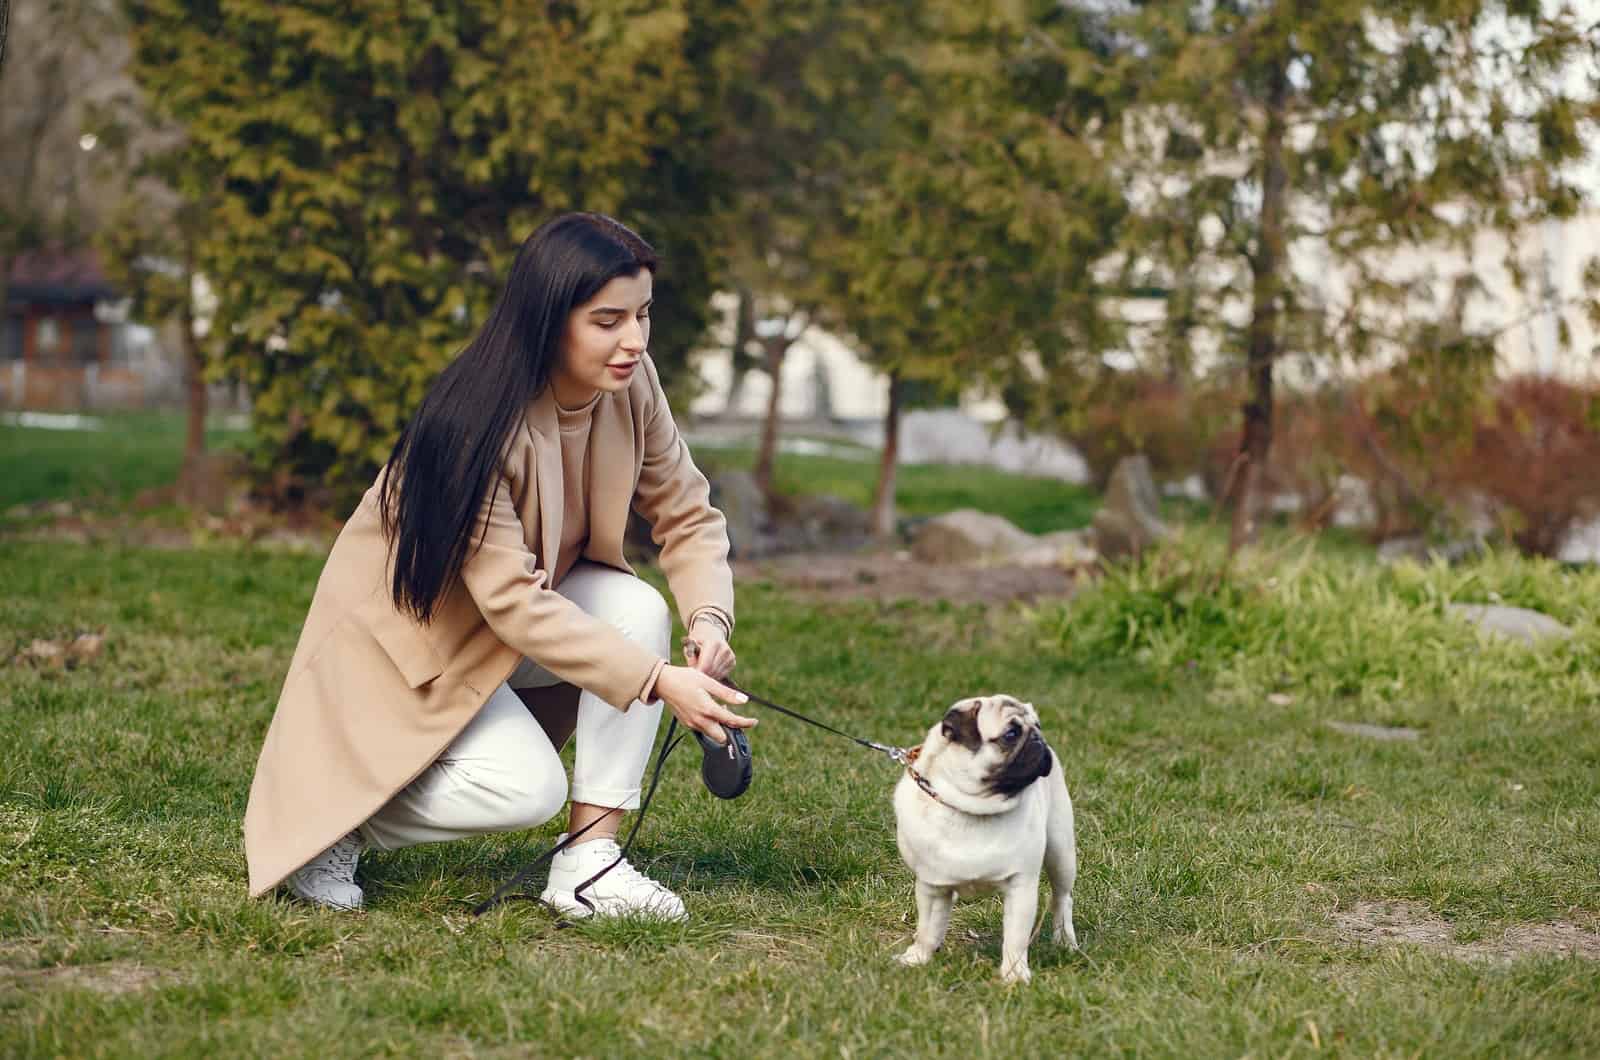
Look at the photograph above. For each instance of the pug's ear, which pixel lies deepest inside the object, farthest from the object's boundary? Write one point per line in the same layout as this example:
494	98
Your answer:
960	726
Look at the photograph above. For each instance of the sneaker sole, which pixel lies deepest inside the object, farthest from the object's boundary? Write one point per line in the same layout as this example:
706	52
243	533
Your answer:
567	904
324	902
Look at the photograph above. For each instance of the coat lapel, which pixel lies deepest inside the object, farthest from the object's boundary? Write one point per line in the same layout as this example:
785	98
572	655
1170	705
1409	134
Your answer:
552	494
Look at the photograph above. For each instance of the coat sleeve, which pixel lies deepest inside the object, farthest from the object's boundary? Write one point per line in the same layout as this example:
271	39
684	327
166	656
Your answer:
675	498
502	578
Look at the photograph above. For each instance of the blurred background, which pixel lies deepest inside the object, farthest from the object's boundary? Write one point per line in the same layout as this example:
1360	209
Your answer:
1325	264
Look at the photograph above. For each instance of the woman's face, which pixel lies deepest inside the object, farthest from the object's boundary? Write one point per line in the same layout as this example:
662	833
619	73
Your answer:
603	341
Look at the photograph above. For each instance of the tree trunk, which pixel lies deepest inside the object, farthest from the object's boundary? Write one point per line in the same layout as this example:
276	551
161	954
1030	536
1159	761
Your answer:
1266	266
883	503
744	331
775	348
195	485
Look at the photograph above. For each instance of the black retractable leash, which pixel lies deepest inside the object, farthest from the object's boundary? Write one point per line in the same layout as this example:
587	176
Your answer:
521	877
726	769
901	756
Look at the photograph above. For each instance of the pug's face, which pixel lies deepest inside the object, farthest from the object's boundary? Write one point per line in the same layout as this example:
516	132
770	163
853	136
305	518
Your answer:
992	747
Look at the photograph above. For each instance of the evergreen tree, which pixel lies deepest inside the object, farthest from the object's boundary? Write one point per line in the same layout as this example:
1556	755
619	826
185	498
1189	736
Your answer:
377	166
1282	159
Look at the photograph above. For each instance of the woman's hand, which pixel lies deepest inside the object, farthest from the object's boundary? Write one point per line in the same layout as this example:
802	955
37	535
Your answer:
707	649
693	698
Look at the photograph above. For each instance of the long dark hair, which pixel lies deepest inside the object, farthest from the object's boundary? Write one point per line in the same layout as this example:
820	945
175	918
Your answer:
444	464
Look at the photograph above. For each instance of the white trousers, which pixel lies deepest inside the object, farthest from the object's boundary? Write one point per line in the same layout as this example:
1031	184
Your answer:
502	774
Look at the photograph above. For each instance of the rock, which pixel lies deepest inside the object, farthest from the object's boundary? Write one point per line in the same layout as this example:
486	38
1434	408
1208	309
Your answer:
1419	549
1518	623
1191	488
968	536
1353	505
1067	549
1375	732
1581	544
1130	519
744	505
830	520
1395	549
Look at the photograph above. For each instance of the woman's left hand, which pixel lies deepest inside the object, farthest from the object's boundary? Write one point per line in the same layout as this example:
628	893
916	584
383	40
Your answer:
710	654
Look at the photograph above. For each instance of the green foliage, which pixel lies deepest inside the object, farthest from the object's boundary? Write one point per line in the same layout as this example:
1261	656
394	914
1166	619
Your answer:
1217	846
375	168
1334	631
967	253
1403	128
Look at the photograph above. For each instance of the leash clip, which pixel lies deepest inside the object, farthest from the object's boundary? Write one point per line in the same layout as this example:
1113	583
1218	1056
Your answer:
900	756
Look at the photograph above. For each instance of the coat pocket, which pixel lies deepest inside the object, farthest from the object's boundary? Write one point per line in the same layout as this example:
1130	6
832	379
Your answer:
402	640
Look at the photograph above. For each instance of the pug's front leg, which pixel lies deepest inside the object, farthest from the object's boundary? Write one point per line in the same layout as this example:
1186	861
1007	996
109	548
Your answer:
1022	902
933	919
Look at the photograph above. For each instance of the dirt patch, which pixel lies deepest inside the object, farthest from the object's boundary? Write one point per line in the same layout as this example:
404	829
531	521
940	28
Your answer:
896	576
130	525
1389	923
110	979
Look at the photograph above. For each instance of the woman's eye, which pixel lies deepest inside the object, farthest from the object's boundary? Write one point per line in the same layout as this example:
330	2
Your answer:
609	324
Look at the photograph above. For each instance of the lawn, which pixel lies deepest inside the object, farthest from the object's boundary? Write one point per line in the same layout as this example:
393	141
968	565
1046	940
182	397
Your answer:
1227	835
1034	503
129	452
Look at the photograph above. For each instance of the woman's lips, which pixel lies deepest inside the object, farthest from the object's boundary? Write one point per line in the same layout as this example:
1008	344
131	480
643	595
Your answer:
622	371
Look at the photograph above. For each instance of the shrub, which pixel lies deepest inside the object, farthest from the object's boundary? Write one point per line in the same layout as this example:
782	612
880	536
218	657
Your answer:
1328	628
1170	422
1535	457
1435	451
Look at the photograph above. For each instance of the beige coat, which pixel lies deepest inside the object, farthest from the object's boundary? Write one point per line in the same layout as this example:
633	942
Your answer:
372	698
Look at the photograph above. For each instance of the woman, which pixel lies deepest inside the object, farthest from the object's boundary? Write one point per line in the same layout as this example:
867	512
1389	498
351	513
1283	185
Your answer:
481	576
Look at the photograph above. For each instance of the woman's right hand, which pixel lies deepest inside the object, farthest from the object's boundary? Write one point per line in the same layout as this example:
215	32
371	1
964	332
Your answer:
693	698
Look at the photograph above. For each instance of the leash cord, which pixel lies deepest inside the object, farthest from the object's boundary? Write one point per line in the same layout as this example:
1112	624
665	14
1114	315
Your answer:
504	893
899	755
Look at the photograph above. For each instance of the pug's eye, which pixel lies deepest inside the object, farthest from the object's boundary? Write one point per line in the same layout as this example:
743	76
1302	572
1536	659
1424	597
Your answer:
1012	732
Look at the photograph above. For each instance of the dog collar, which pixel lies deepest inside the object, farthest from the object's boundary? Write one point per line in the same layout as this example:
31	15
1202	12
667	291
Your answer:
922	781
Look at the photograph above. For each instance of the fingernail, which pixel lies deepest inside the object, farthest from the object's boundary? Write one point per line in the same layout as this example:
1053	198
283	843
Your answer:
743	698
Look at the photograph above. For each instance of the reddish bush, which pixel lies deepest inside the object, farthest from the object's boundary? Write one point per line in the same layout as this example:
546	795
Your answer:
1528	450
1535	455
1169	422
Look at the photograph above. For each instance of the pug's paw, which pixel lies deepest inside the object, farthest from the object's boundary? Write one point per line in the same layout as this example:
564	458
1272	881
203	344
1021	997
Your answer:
915	956
1016	972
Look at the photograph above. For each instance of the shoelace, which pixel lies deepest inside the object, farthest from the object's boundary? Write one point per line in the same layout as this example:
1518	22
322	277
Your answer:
623	870
341	860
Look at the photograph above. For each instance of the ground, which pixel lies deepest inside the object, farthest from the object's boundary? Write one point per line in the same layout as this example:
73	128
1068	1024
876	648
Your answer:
1422	878
894	575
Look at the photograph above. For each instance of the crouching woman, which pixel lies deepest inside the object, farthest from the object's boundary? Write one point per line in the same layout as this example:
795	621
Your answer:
476	609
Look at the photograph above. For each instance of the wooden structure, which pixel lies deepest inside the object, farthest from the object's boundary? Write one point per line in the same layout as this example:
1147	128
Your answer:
61	337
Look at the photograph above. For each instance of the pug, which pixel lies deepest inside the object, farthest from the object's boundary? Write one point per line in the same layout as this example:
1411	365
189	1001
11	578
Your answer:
982	806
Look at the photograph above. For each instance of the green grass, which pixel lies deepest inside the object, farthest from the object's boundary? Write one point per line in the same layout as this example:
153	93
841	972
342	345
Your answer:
1217	830
132	451
1221	822
1036	504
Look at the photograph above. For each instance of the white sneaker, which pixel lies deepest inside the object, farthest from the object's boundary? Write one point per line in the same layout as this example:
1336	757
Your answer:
329	879
624	891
